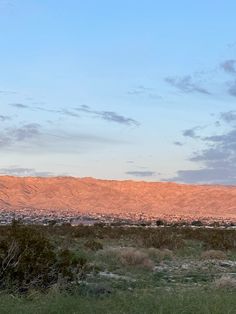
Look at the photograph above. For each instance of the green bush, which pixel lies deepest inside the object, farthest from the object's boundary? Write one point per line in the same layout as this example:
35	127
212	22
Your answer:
28	260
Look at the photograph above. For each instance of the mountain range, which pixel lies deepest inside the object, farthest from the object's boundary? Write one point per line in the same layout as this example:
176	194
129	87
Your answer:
122	198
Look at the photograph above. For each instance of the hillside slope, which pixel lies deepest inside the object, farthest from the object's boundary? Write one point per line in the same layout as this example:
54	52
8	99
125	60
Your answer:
87	195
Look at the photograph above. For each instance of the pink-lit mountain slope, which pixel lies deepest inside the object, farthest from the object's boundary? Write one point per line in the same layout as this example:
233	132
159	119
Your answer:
88	195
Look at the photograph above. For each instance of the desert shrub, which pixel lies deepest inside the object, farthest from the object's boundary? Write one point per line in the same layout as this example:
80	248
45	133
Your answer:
197	223
215	224
93	245
160	255
160	222
26	257
213	254
221	239
82	231
163	238
28	260
69	265
99	224
134	257
52	223
217	239
166	237
225	282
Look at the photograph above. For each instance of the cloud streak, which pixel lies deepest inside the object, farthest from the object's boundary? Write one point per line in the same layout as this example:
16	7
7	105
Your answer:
141	173
144	91
4	118
19	106
24	172
7	92
62	111
186	84
110	116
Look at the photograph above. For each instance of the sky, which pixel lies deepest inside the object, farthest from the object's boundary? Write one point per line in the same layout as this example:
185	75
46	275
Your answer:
141	90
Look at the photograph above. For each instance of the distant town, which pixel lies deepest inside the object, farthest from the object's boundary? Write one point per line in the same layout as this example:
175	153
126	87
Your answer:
45	217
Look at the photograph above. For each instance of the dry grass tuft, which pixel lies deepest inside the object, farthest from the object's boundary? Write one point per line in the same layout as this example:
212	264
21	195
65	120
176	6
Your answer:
134	257
160	255
225	282
127	256
214	254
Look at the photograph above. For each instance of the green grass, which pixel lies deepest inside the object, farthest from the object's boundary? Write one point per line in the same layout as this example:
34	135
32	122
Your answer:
185	302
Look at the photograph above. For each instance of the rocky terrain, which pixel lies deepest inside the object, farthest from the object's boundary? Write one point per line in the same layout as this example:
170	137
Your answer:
122	198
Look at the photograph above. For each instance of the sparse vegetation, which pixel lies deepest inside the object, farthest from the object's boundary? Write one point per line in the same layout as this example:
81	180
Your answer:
214	254
116	269
93	245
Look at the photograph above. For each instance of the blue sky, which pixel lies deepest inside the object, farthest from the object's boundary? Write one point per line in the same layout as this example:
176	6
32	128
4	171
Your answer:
140	90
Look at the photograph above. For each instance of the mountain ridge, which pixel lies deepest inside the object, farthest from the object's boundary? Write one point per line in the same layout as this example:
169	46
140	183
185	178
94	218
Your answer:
89	195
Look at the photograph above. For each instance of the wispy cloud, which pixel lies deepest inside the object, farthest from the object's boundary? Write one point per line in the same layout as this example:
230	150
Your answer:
229	116
206	176
232	88
229	66
110	116
191	132
33	137
62	111
177	143
141	173
4	118
69	113
231	45
186	84
217	160
13	135
26	131
142	90
7	92
22	172
19	106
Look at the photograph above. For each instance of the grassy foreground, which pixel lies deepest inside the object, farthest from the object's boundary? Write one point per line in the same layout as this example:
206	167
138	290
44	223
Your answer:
104	269
188	302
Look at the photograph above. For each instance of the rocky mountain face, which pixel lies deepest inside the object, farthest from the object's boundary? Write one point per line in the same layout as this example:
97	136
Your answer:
87	195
